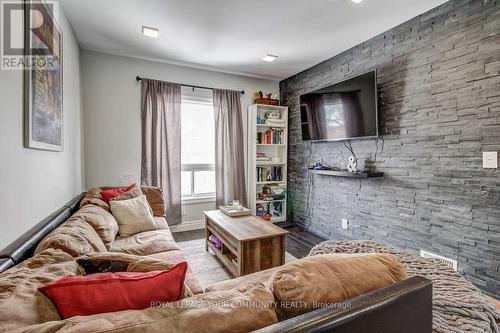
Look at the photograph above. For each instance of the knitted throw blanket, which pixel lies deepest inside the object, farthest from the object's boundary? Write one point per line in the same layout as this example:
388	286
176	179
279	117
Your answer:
458	306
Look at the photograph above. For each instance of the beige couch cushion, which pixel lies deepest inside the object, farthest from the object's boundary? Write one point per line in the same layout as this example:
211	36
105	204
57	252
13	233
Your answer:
154	195
145	243
20	302
75	237
93	197
133	215
101	220
200	313
243	282
332	278
161	223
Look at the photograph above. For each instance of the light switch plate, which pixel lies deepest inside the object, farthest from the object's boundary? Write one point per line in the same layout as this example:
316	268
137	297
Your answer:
490	159
345	224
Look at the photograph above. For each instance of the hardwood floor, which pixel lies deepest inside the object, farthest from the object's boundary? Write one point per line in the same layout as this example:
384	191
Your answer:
299	242
189	235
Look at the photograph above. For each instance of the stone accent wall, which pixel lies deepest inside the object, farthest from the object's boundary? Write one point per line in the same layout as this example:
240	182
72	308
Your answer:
439	108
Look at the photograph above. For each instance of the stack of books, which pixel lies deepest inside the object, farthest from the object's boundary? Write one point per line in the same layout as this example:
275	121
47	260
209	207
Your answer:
271	136
262	157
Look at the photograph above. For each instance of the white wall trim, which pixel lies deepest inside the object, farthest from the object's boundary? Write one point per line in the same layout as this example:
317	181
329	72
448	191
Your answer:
195	200
188	226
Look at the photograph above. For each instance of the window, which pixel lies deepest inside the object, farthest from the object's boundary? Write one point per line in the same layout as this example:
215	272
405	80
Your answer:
197	144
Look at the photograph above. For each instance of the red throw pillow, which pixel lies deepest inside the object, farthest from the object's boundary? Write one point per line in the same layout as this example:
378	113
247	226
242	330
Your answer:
108	292
107	195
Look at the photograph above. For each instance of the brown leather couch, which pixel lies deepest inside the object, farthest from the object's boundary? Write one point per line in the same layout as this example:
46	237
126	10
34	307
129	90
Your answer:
48	252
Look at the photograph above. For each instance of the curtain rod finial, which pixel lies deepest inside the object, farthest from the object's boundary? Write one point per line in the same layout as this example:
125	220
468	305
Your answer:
138	78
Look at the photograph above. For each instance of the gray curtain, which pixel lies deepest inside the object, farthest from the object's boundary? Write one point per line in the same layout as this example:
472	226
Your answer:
229	148
161	142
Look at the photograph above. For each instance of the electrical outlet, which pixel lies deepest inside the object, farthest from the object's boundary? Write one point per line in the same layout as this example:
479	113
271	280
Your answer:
490	159
345	224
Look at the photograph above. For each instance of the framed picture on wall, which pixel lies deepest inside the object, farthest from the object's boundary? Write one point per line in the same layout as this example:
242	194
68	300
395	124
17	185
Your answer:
43	78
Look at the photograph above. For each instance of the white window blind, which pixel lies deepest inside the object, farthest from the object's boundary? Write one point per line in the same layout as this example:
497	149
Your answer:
197	144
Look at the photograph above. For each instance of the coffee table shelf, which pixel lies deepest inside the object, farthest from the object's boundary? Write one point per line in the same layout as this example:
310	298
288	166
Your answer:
225	260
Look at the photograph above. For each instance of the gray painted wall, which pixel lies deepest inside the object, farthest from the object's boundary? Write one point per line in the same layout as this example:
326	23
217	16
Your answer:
111	95
35	183
439	108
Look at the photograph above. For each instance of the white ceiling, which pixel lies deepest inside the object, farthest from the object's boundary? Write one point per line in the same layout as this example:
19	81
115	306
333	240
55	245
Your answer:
233	35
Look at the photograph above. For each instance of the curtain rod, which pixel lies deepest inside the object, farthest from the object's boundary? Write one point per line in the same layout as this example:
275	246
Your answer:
138	78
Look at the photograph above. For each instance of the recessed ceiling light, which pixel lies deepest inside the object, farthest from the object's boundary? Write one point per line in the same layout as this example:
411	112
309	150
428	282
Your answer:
270	57
356	1
150	32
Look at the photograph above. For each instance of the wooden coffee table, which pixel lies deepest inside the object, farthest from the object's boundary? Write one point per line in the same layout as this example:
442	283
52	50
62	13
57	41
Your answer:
250	244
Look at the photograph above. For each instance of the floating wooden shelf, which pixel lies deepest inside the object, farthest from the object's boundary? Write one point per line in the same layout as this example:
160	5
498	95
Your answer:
347	174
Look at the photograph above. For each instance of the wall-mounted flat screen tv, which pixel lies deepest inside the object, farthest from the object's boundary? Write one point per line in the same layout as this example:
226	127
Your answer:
345	110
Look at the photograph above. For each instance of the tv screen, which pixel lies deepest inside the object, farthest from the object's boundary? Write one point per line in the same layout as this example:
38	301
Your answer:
345	110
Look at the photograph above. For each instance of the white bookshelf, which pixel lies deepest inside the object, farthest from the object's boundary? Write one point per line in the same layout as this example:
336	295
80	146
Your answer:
276	151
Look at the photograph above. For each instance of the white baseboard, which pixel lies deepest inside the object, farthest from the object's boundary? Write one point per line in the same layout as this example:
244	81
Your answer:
188	226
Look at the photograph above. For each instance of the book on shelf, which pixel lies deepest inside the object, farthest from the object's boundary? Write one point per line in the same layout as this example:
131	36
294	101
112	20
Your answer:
262	157
265	174
271	136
